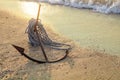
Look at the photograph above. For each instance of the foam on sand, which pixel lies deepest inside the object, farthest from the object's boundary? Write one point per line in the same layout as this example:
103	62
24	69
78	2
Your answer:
103	6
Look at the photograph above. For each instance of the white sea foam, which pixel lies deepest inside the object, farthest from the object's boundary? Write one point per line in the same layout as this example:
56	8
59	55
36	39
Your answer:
109	6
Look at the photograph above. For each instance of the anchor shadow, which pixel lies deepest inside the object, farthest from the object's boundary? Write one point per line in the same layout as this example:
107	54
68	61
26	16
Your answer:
43	71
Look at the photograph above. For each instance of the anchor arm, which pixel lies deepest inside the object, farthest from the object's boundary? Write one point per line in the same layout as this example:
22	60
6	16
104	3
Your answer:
21	51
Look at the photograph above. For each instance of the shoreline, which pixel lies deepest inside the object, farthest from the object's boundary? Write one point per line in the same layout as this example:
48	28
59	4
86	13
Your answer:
80	65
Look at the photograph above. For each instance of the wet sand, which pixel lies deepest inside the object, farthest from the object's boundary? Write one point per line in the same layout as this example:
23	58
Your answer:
81	64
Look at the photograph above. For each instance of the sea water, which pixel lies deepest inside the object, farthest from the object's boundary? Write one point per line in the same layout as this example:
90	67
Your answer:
88	28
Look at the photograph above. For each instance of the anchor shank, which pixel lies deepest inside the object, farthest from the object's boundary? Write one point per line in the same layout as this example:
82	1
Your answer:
39	39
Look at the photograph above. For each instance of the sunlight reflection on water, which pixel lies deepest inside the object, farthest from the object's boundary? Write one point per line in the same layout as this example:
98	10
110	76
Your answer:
30	8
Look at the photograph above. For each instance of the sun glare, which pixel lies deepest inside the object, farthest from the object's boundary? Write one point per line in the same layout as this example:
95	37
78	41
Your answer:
30	8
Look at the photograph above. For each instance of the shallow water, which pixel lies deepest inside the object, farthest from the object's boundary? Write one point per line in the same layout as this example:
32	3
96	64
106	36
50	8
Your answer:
89	29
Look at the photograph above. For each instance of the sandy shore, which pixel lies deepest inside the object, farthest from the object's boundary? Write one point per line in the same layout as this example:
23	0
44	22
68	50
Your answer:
81	64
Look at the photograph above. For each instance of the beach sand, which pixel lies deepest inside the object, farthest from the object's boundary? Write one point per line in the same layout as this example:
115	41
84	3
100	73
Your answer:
81	64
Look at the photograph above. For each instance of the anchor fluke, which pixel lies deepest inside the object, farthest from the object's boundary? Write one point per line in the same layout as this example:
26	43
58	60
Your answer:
19	49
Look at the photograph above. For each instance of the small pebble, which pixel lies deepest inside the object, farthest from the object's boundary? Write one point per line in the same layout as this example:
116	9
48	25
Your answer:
6	17
85	67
